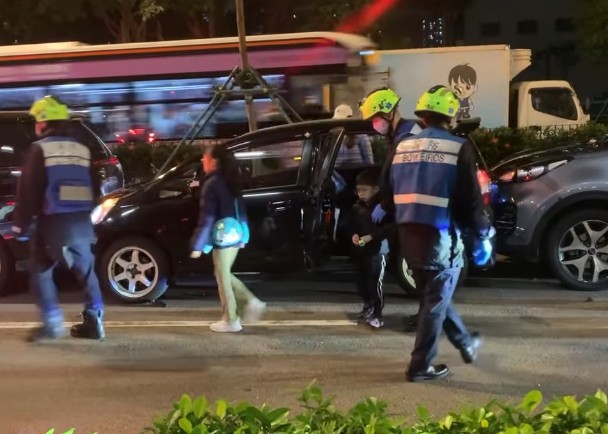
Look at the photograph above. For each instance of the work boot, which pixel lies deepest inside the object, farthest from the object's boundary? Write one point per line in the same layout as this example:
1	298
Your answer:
91	326
469	352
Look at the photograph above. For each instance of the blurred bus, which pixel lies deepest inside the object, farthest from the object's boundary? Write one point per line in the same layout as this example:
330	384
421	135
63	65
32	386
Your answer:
155	91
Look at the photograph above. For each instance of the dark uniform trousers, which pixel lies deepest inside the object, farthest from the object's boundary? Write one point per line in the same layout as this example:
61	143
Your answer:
64	239
437	288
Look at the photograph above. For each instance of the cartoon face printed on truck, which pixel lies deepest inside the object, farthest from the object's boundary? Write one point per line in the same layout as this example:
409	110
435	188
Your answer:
462	80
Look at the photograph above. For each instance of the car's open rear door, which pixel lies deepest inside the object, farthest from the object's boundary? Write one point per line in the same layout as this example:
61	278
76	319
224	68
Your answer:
318	219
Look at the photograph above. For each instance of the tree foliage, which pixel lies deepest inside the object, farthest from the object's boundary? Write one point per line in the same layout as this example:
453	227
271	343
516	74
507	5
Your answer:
592	25
102	21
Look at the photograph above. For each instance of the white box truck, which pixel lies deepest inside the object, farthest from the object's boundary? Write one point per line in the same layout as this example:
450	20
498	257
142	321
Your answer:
484	75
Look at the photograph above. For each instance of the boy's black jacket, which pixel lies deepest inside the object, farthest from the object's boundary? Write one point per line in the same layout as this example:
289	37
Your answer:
360	223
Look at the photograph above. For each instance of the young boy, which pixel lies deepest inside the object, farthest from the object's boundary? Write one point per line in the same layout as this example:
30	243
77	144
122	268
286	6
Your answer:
370	247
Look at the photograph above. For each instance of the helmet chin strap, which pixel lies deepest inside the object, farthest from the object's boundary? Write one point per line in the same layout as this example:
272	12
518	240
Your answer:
390	134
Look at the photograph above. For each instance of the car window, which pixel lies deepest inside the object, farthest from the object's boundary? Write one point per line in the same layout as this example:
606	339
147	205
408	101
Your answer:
85	136
272	165
355	151
15	141
184	183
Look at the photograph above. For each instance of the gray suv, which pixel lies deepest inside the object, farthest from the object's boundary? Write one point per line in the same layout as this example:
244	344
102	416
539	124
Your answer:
552	206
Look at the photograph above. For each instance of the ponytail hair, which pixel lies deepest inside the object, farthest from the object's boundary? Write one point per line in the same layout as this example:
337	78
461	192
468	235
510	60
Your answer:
229	168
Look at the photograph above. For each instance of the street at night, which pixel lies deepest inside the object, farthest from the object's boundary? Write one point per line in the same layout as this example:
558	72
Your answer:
537	335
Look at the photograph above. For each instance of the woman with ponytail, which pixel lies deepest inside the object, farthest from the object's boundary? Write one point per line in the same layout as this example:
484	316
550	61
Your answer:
223	230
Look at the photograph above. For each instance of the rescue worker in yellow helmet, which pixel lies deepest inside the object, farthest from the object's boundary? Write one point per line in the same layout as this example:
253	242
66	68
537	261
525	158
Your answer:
381	107
55	195
436	194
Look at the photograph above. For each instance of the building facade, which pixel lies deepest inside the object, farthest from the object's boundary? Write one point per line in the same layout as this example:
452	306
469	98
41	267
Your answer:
545	26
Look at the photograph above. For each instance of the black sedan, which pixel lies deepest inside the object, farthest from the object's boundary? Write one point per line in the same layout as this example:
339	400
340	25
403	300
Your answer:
143	232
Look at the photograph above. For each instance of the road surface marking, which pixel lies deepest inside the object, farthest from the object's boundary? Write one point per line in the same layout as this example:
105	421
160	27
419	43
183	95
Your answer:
145	324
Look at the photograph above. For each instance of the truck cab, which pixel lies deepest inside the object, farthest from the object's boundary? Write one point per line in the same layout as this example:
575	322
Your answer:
545	103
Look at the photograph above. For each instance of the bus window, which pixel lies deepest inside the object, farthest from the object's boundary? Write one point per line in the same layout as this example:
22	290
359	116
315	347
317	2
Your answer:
20	98
83	95
168	90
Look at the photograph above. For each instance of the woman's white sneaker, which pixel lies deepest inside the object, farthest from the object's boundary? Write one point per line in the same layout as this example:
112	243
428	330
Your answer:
226	326
254	311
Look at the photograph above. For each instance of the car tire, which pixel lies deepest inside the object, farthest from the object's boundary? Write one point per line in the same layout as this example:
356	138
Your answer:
406	280
134	270
566	255
7	270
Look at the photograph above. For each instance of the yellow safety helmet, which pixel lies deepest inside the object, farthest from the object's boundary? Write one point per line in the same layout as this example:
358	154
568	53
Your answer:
49	109
438	99
382	100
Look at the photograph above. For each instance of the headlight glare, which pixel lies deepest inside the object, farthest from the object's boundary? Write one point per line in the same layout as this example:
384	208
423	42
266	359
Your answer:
100	211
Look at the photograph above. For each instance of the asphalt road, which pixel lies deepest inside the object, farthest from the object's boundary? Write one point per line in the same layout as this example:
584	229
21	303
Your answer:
537	335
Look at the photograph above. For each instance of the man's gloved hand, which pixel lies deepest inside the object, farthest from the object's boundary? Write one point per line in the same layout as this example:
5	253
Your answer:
378	214
207	249
482	249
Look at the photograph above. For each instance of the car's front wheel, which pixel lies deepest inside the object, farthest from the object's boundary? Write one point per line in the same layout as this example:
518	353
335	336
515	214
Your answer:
406	279
134	270
577	250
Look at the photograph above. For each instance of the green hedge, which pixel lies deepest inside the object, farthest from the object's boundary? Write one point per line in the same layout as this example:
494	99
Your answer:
499	143
140	161
318	415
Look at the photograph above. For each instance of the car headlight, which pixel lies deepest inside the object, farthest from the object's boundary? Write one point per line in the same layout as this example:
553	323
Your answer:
529	173
100	211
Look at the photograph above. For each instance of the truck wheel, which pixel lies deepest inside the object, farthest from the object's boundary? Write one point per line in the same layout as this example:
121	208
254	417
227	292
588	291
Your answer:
406	280
134	270
577	250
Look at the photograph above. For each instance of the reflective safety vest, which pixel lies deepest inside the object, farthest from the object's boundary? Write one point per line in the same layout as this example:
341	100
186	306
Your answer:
423	174
404	130
69	187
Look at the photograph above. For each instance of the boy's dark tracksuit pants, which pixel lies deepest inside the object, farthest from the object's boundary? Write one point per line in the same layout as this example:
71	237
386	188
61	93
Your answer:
369	277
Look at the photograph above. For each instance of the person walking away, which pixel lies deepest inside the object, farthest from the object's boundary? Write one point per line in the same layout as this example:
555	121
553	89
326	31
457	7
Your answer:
56	194
381	106
223	230
370	247
436	194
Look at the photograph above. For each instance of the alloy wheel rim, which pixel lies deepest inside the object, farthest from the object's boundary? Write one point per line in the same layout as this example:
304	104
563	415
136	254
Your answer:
583	251
132	272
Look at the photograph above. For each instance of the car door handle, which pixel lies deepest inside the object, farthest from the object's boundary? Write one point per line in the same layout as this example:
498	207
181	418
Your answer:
280	205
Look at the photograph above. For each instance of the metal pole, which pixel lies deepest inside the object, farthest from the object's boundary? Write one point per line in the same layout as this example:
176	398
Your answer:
240	25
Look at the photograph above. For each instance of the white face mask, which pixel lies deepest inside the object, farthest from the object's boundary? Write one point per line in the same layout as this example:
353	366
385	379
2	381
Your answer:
381	125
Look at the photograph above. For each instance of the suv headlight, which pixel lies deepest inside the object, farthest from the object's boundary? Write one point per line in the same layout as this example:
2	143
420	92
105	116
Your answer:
100	211
528	173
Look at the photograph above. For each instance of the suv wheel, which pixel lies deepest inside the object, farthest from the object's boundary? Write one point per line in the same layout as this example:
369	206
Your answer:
134	270
406	280
577	250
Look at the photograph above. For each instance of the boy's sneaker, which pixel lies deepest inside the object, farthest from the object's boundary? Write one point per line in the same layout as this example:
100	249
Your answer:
365	312
226	326
375	323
